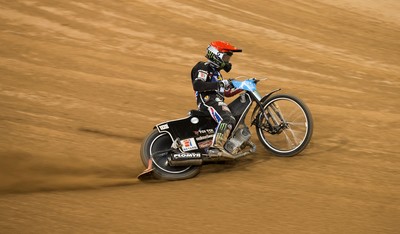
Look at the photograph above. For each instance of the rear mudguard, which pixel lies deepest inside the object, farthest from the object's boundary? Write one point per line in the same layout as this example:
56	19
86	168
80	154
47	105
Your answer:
189	127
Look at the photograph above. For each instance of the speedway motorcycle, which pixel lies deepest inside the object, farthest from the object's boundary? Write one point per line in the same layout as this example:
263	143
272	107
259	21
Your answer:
177	149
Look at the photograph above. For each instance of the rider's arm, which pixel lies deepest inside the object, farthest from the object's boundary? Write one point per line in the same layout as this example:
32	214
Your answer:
202	86
200	83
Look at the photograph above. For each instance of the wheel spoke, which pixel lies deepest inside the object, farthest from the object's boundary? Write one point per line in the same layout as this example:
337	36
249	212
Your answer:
302	124
294	135
290	143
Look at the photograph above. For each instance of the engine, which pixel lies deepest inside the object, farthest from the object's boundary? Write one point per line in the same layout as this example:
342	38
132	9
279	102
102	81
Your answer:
238	141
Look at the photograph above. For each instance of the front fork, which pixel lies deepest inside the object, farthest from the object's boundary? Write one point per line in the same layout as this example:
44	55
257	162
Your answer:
272	125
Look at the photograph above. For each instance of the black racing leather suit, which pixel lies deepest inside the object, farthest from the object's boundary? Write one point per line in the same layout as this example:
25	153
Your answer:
206	79
210	93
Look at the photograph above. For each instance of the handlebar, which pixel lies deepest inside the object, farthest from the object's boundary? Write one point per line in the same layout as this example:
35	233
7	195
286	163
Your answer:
248	78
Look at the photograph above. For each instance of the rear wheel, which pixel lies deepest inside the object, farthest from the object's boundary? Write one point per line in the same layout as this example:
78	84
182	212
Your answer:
156	147
288	128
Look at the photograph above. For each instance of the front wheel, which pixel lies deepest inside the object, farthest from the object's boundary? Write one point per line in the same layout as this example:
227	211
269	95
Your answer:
156	147
287	127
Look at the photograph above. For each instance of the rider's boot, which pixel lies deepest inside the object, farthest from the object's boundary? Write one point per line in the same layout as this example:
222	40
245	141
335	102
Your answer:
221	136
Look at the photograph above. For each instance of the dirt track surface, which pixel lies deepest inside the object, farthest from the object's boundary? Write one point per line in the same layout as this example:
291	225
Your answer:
82	83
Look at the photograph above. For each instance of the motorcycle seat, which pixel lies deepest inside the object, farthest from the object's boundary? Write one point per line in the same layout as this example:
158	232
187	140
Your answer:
198	113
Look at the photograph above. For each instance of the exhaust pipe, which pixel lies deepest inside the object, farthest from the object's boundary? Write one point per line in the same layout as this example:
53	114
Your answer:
196	158
185	159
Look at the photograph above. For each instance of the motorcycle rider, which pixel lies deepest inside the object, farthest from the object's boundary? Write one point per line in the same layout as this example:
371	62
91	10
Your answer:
211	88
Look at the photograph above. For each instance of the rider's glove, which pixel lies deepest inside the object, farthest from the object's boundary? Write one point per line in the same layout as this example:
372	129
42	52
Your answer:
226	84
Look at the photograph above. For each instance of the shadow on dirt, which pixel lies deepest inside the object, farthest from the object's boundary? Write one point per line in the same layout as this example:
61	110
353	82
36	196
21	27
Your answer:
243	164
137	139
22	172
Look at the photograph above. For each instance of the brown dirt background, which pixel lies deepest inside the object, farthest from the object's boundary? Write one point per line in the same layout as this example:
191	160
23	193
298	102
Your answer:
83	82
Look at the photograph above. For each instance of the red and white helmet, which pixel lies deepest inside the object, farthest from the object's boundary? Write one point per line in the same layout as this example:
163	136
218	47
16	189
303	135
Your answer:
219	52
